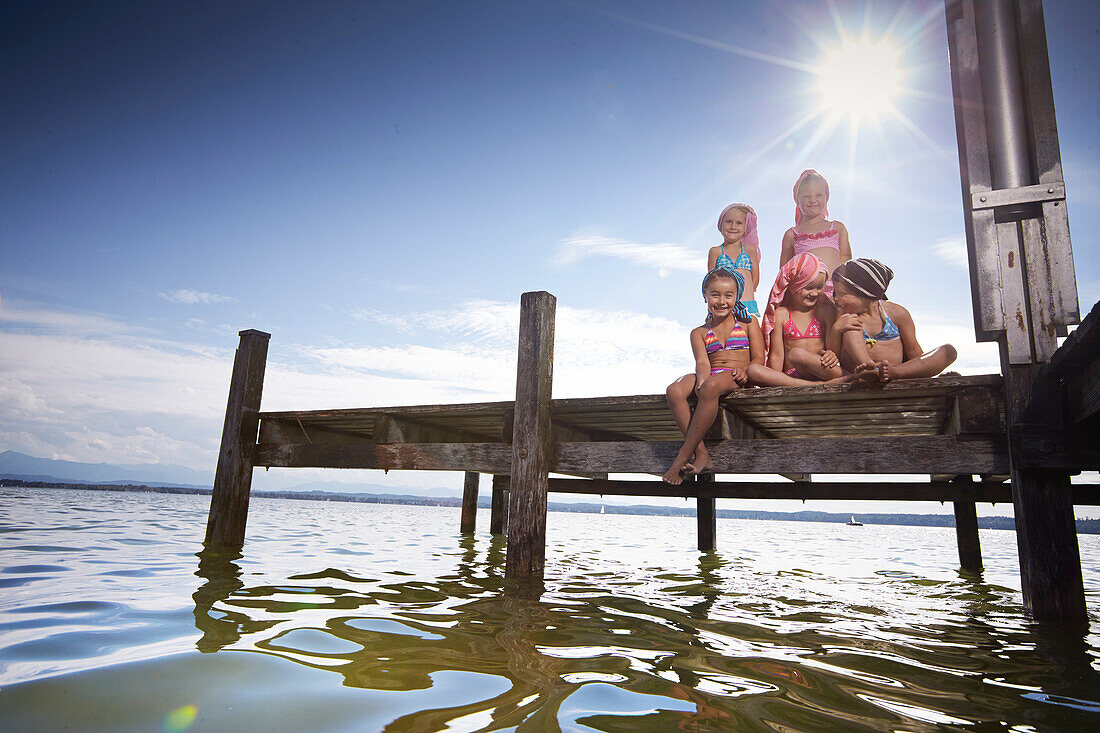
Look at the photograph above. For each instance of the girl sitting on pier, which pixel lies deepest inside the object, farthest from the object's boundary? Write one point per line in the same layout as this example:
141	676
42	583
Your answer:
724	347
737	223
812	231
794	329
872	330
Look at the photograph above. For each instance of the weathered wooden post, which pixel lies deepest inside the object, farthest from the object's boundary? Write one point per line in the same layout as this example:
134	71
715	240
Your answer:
498	514
469	502
705	514
532	450
966	530
1022	278
233	478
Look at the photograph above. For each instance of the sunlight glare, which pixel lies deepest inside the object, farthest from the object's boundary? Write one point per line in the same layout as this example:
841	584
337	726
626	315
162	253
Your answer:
860	79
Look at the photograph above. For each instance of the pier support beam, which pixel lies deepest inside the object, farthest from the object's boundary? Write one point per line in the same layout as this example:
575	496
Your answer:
532	451
966	530
233	478
469	502
1046	529
705	515
498	515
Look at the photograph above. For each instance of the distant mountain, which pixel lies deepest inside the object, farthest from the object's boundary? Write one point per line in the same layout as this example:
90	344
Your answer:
30	468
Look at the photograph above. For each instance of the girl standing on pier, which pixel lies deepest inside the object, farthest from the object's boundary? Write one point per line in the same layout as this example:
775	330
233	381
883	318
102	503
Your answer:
812	231
872	330
740	250
724	348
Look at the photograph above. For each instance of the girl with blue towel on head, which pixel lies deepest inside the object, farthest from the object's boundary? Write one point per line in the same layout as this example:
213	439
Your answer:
724	348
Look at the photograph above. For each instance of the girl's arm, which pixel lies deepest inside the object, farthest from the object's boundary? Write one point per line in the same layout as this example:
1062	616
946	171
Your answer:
845	247
904	321
712	257
754	255
777	352
786	252
699	351
756	342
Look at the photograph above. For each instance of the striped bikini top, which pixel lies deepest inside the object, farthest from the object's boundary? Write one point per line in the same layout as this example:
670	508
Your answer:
738	340
743	261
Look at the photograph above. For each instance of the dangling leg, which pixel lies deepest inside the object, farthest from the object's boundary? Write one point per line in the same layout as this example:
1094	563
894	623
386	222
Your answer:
705	412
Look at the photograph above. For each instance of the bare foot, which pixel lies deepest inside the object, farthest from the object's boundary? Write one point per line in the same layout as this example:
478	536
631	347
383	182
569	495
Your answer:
701	457
675	474
696	468
884	371
843	379
866	372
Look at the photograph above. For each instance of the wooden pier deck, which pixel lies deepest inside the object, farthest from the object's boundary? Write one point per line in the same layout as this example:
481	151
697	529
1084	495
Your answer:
946	425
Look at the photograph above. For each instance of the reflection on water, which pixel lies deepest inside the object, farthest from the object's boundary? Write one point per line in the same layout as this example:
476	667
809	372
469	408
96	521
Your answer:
785	630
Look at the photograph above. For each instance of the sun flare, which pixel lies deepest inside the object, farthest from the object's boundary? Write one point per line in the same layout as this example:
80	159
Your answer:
860	79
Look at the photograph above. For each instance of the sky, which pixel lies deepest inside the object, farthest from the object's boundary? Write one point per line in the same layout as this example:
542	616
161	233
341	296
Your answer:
376	183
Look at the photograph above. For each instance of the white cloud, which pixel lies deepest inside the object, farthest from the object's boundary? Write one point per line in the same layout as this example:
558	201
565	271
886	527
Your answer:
195	297
952	250
663	256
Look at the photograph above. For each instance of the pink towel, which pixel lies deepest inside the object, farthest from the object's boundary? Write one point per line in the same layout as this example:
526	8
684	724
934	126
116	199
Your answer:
799	271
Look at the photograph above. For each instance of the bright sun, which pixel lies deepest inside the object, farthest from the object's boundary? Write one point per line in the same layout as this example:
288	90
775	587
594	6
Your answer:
860	79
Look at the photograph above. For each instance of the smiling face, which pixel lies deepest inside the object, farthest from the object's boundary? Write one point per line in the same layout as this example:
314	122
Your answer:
812	198
733	225
847	301
721	294
808	295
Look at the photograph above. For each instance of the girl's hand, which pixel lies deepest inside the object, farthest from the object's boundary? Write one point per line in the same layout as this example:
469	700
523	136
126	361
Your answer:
739	376
848	322
828	359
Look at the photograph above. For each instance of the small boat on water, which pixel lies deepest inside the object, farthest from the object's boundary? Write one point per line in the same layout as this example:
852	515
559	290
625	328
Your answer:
853	523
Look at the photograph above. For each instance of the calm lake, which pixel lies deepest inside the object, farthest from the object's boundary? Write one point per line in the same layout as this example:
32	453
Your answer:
368	617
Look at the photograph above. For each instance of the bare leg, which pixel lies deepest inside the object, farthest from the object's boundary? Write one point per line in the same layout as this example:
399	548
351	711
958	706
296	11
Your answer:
808	364
676	394
767	377
928	364
705	412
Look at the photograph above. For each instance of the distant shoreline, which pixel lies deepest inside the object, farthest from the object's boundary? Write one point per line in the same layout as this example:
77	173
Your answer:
1084	526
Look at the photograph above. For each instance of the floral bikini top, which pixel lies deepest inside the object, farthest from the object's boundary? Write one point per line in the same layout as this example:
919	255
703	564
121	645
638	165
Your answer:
743	261
813	331
889	330
809	242
738	340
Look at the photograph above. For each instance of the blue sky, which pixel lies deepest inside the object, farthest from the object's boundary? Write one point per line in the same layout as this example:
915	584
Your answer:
376	183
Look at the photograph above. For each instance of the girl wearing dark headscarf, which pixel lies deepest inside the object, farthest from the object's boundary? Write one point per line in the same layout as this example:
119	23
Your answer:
874	330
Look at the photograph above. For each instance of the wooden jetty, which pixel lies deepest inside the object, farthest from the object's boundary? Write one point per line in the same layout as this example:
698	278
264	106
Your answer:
1015	436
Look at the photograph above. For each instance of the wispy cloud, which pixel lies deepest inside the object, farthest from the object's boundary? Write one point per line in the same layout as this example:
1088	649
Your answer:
195	297
663	256
951	249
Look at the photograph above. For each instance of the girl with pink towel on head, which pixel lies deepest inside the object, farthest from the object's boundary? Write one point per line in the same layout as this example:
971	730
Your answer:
795	328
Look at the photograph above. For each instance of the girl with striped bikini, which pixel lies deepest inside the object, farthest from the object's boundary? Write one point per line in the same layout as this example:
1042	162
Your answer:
724	348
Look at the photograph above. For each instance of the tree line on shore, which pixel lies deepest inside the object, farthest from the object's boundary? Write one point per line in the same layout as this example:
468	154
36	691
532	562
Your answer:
1084	526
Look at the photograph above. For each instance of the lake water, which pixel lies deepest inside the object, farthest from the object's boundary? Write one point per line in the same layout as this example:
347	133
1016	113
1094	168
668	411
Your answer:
368	617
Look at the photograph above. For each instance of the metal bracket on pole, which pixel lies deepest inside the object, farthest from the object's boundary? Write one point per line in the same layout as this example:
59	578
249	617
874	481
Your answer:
999	198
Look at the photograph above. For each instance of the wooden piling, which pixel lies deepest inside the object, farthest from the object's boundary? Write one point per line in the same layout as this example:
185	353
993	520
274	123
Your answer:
966	530
233	478
498	516
705	515
1046	530
532	451
469	502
